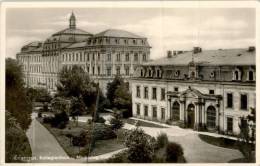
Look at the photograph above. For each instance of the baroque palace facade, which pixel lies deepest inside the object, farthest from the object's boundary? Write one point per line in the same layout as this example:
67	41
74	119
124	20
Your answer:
103	55
203	90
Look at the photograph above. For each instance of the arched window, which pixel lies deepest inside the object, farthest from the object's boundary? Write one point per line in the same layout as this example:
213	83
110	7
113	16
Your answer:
211	117
237	75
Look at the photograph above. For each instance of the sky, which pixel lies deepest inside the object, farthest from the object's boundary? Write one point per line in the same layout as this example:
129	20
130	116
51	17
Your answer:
165	28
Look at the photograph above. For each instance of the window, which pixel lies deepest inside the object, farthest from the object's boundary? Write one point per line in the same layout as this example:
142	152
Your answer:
109	57
145	110
154	112
98	70
176	89
212	92
163	113
93	57
127	71
88	57
177	73
138	109
144	57
154	94
109	71
93	70
142	73
243	101
127	57
146	92
138	91
230	124
229	100
250	75
135	57
162	94
118	70
98	56
158	73
118	57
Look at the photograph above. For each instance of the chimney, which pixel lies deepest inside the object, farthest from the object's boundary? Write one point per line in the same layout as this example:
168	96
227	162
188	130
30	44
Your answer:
251	49
197	50
169	54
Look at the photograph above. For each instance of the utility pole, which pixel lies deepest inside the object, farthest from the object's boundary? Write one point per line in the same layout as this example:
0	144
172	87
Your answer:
93	122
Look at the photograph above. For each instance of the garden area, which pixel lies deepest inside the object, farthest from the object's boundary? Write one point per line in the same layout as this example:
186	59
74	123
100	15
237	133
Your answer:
80	139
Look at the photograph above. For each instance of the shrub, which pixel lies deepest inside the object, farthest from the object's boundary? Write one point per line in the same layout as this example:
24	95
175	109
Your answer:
140	146
60	120
116	122
39	114
100	120
174	152
102	132
119	158
85	151
162	140
47	119
80	140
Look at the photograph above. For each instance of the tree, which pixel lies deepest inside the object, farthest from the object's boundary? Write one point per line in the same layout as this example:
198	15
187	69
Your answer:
123	99
16	144
17	102
111	89
246	138
74	82
140	146
77	108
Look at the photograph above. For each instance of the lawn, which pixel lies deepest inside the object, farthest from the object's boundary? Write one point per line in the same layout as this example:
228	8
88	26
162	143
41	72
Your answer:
221	141
101	146
143	123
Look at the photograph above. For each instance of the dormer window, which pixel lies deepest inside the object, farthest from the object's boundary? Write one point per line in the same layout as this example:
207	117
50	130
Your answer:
237	75
134	41
250	75
142	73
177	73
150	73
212	74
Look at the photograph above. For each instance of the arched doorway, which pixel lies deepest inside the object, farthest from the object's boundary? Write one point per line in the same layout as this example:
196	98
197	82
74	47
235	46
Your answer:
211	117
190	116
176	111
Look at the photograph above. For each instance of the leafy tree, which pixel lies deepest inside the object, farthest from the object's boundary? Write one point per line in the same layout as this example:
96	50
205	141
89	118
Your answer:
77	108
73	82
123	99
16	144
140	146
38	95
17	102
111	89
246	138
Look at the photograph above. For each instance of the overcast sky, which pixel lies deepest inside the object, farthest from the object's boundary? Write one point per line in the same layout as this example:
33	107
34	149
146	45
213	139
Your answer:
167	28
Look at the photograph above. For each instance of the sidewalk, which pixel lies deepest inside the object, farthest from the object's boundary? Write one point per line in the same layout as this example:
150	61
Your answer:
197	132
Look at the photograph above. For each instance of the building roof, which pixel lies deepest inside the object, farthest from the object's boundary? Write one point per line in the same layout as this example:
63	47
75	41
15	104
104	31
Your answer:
71	31
117	33
209	57
77	45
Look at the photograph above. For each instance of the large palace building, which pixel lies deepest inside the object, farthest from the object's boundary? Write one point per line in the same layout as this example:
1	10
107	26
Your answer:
103	55
200	89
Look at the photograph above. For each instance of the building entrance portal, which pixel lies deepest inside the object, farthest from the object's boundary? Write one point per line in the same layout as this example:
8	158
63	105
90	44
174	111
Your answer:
190	116
176	111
